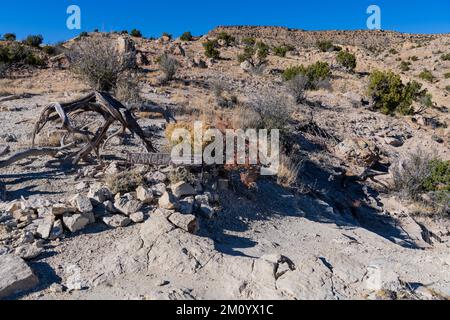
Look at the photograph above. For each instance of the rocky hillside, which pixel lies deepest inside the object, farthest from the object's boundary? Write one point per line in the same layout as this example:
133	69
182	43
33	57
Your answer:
358	210
281	36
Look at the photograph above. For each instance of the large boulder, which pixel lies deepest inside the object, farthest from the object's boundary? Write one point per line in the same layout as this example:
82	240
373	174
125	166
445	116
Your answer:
99	193
144	194
75	222
182	189
15	276
168	201
187	222
127	51
127	205
82	203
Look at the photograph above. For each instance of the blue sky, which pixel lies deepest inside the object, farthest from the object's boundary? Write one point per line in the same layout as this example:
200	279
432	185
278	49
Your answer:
48	17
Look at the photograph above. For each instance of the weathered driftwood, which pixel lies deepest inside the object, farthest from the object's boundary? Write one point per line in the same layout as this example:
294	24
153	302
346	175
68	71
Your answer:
102	103
99	102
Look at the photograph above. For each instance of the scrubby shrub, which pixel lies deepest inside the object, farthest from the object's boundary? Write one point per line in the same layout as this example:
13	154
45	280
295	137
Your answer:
411	172
281	51
390	95
347	60
327	46
393	51
228	39
98	62
274	112
404	66
419	173
427	75
124	182
34	40
136	33
50	50
447	75
439	177
169	65
9	37
127	89
297	87
414	58
289	170
446	57
181	174
211	49
17	53
315	74
248	41
83	34
447	88
256	54
187	36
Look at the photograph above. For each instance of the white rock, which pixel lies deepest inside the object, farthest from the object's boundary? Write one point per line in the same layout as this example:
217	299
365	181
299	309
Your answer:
156	177
182	189
28	251
137	217
15	276
75	222
74	280
112	169
99	193
82	203
159	189
81	186
127	204
246	66
117	221
187	222
45	227
380	278
144	194
168	201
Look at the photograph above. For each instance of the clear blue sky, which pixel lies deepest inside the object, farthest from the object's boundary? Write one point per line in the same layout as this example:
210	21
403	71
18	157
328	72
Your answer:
48	17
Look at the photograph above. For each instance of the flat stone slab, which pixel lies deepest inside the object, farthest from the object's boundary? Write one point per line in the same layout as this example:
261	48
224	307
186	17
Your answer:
15	276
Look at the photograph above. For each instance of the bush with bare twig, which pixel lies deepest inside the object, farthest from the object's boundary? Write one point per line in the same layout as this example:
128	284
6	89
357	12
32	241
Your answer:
297	88
421	177
289	170
169	66
98	62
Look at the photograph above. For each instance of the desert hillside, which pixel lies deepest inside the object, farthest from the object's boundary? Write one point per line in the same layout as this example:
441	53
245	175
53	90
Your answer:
360	208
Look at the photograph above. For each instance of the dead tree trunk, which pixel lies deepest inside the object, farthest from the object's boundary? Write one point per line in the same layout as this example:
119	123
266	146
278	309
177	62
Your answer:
99	102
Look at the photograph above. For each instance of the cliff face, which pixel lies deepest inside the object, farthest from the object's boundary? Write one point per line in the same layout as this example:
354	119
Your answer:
281	35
